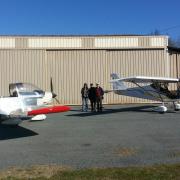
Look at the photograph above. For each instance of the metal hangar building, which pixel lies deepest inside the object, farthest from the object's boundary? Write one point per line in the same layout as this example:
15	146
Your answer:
74	60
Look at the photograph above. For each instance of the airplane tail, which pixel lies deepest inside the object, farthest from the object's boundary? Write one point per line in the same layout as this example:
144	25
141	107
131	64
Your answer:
117	83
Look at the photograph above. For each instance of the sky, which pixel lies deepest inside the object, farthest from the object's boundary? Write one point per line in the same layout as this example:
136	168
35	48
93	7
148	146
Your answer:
89	17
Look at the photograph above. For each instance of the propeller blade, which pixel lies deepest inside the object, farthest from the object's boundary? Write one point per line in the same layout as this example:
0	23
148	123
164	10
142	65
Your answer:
54	95
51	85
57	100
52	89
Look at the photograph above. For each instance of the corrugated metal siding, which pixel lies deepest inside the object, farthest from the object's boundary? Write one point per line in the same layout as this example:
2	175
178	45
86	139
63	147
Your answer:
174	67
82	42
54	42
70	69
116	42
88	43
157	42
21	43
6	42
133	63
23	66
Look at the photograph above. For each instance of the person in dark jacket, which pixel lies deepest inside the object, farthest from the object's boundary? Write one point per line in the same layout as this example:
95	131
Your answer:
84	95
99	97
92	97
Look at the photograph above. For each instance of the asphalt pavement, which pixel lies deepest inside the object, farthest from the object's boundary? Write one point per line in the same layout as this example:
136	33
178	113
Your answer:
122	135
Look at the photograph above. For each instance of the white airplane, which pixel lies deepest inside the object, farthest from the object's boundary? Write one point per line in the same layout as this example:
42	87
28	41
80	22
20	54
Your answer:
25	100
152	88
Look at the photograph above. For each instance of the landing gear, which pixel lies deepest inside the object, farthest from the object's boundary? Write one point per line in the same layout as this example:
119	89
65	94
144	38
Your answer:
176	106
39	117
161	109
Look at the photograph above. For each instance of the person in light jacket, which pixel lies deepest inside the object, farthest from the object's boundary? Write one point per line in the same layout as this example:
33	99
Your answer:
84	95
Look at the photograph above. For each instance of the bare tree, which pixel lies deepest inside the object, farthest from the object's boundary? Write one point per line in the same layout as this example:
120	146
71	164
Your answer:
174	42
156	32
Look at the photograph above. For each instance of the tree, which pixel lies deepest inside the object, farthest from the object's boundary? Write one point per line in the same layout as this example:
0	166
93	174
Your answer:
174	42
156	32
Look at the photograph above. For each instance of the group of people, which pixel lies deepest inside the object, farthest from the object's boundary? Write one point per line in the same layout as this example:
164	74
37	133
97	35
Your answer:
94	94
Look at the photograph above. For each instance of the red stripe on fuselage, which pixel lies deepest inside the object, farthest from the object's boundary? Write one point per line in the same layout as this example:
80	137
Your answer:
49	110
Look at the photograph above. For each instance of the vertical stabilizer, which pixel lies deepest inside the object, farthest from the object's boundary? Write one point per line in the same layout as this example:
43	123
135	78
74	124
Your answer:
117	83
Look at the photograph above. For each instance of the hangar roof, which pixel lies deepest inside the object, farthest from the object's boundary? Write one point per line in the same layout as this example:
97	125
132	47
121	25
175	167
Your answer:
75	35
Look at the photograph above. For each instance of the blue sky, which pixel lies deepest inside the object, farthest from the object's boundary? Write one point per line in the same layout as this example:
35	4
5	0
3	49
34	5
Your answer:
65	17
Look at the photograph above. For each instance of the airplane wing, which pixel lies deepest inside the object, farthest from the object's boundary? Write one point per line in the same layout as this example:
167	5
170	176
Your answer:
146	79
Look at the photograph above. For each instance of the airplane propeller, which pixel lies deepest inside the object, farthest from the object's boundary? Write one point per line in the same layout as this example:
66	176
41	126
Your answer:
54	95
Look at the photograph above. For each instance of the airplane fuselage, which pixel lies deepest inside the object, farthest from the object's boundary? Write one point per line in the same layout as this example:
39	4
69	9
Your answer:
145	92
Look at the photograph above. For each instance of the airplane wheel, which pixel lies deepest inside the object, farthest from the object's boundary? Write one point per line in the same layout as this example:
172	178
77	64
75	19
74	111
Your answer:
177	107
161	109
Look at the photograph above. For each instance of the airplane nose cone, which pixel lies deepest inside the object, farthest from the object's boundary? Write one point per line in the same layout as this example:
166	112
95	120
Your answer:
54	95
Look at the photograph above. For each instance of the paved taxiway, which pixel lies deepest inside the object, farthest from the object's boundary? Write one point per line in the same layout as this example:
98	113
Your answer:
122	135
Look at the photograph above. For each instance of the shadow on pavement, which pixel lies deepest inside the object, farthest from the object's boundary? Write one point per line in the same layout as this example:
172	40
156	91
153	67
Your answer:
147	108
12	132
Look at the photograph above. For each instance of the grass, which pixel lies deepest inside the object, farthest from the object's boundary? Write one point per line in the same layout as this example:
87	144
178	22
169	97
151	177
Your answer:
159	172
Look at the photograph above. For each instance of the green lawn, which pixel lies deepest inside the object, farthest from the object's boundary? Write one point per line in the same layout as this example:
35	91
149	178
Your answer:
160	172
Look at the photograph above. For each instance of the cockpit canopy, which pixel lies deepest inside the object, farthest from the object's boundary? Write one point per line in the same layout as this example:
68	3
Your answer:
164	88
160	85
24	89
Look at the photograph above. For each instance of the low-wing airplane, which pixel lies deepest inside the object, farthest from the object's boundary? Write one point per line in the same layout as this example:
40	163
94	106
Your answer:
151	88
25	100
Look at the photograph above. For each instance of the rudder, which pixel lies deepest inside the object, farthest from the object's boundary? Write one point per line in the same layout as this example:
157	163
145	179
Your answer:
117	83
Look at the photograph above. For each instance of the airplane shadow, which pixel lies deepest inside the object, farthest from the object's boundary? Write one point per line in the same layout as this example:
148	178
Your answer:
13	132
146	108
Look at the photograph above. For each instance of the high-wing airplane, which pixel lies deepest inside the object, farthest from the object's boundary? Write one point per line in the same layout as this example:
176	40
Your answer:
25	100
152	88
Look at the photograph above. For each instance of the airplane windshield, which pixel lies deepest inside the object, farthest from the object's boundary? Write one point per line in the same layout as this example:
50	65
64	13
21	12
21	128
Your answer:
160	86
24	89
165	89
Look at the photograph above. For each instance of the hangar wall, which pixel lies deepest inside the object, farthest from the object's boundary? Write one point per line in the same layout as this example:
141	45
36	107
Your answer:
73	60
73	68
174	64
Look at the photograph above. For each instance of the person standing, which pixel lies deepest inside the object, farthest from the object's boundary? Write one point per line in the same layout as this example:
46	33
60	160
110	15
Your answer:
84	95
92	97
99	97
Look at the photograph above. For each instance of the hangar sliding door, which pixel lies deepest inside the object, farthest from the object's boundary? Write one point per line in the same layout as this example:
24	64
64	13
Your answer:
71	68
